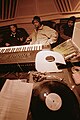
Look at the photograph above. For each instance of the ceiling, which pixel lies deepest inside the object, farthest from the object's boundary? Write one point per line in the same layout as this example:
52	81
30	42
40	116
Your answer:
24	10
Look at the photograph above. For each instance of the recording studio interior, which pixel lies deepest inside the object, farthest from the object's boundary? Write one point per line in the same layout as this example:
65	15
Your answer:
39	59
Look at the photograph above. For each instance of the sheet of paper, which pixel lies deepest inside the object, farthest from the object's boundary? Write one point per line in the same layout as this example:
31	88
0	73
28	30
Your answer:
76	34
15	100
66	48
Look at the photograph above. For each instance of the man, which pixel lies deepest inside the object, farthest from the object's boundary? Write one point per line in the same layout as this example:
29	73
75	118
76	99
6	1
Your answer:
42	34
66	30
15	36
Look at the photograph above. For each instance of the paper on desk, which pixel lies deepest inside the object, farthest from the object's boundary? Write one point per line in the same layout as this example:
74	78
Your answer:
15	99
66	48
76	77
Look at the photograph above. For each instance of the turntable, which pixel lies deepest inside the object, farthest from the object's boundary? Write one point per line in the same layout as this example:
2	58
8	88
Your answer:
54	94
54	100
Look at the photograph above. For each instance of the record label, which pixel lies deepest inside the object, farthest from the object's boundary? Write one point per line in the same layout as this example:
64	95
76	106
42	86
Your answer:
53	101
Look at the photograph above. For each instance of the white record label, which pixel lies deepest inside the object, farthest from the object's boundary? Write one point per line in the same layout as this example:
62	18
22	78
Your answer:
53	101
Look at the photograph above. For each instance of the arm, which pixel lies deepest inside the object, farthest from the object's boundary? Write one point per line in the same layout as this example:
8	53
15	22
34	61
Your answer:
23	34
52	35
28	40
6	39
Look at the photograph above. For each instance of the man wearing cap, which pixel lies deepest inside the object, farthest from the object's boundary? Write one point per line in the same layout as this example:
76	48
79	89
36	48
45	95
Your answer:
42	34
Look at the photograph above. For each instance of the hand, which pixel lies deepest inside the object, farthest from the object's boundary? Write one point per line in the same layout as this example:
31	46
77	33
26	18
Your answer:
21	39
7	44
28	40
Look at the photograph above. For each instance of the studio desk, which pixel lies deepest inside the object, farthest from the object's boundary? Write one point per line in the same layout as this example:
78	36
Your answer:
18	62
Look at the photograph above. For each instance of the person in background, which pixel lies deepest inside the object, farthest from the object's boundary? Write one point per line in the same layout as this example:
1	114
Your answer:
66	30
42	34
15	36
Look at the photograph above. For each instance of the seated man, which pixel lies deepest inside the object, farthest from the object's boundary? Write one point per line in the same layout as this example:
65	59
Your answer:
66	30
42	34
16	36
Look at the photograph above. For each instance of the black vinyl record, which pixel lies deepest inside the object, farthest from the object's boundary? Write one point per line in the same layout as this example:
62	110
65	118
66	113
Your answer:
53	100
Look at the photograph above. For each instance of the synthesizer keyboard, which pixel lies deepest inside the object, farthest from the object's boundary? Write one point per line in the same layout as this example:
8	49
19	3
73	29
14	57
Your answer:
19	54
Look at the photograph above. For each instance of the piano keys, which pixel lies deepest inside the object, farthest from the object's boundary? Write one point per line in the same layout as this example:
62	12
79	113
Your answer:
19	54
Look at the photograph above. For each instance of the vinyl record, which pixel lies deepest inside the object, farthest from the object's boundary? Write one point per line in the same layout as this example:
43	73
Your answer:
53	100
